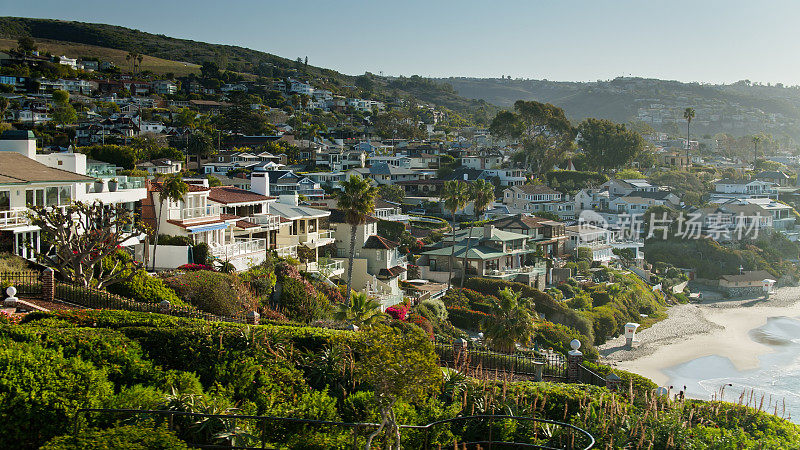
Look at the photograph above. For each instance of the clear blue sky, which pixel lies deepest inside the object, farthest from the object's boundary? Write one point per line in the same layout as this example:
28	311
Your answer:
707	41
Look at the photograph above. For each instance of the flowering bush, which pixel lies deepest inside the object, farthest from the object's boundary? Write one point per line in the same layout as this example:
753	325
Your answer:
421	322
398	312
194	267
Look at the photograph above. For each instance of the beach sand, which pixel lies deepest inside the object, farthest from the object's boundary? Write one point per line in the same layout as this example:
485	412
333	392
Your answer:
714	327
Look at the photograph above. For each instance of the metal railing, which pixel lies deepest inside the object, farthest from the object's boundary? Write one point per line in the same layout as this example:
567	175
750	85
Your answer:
473	431
286	251
238	248
197	212
271	221
14	217
99	299
545	364
27	283
588	376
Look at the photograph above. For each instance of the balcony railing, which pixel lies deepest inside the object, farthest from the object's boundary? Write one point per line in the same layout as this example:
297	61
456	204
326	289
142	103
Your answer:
269	221
14	217
239	248
286	251
198	212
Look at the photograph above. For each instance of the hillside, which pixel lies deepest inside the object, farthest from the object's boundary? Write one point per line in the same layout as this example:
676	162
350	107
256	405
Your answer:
158	66
167	53
740	108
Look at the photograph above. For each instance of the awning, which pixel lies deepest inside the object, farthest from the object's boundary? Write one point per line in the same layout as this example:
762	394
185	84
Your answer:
209	227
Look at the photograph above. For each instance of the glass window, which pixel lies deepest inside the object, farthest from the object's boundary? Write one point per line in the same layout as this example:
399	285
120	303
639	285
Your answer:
65	195
302	226
5	200
29	198
51	196
39	197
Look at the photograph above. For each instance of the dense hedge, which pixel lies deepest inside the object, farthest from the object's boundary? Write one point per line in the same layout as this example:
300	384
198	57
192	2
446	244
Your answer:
545	305
213	292
129	437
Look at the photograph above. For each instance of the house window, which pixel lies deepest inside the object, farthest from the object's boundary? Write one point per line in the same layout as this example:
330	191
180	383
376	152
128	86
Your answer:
302	226
5	200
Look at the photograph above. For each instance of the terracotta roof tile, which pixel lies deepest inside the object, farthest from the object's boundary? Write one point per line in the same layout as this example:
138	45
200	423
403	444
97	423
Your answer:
378	242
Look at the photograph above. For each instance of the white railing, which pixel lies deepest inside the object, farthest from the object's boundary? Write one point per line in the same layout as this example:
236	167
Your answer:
239	248
198	212
286	251
269	221
327	234
332	266
14	217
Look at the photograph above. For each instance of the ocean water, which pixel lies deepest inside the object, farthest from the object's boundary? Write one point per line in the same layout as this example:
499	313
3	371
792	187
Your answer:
777	376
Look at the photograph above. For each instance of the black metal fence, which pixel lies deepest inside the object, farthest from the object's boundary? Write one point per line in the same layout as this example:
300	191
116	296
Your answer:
257	432
548	365
99	299
588	376
28	283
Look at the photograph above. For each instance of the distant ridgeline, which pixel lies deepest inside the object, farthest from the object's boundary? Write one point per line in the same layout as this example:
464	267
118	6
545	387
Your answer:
658	103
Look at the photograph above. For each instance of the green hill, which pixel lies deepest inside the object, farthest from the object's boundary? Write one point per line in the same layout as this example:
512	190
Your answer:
76	38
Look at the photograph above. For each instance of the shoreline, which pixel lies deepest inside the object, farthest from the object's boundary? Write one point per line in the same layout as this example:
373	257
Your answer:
718	327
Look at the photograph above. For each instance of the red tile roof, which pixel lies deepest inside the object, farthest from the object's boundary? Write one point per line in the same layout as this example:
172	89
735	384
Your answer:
230	194
378	242
244	224
391	272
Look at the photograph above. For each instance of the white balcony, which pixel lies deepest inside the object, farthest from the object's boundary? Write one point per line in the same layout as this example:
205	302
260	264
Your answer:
268	221
286	251
330	269
15	217
196	214
317	239
240	247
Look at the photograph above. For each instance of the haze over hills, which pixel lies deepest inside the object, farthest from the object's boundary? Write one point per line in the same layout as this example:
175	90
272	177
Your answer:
740	108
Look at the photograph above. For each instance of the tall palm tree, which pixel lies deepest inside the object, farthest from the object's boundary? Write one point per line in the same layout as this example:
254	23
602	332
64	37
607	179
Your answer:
510	321
481	192
688	114
454	194
756	140
172	188
357	200
362	311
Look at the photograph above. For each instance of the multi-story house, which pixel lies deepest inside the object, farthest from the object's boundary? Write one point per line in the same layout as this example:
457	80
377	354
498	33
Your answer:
481	162
638	202
591	199
536	198
302	226
280	182
596	239
161	166
201	219
25	183
377	265
618	188
493	253
383	173
338	159
727	189
777	177
549	236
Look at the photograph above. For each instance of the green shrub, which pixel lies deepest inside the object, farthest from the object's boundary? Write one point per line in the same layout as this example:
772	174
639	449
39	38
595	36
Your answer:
558	337
433	310
200	253
299	302
216	293
466	318
40	390
145	288
129	437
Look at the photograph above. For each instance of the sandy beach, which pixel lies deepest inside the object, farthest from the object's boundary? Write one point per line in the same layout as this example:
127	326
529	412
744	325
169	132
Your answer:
714	327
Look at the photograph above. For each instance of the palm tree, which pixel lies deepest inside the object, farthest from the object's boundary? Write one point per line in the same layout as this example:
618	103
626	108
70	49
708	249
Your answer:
756	140
357	200
481	192
362	311
510	321
173	189
454	194
688	114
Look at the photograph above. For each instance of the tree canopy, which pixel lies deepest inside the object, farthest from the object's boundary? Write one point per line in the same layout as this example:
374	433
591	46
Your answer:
608	145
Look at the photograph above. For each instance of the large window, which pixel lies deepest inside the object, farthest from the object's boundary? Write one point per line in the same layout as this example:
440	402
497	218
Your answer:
5	200
50	196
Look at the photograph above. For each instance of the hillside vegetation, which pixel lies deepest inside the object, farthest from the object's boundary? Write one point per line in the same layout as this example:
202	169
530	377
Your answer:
63	35
740	108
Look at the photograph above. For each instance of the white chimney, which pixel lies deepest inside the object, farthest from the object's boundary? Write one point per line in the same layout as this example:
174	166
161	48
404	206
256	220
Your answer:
259	182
